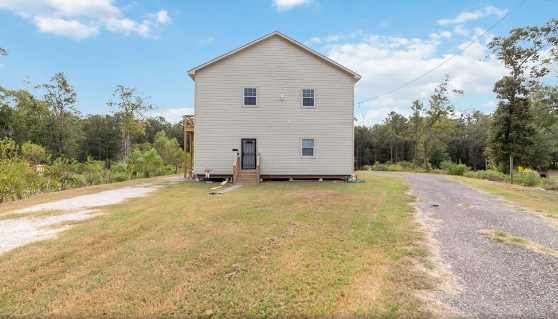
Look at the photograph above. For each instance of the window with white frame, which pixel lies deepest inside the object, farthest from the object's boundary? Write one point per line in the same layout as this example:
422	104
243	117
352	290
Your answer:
307	147
308	98
250	96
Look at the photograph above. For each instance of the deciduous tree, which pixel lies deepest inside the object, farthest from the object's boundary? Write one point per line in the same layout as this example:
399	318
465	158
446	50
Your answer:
130	107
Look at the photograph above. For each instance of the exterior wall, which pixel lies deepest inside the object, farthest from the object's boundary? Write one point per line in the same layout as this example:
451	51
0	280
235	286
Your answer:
276	67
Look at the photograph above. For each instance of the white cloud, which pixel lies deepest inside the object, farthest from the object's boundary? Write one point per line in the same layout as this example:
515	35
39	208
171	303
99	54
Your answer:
284	5
466	16
461	30
313	40
80	19
206	41
490	104
386	63
377	115
163	17
68	28
173	115
333	38
446	34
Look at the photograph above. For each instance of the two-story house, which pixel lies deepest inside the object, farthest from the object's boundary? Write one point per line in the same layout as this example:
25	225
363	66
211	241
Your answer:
272	109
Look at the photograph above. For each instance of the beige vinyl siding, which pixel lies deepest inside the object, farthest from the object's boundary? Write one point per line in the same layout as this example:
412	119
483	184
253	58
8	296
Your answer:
276	67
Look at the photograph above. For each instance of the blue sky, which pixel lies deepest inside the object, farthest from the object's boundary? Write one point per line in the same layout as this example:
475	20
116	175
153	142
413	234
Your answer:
152	44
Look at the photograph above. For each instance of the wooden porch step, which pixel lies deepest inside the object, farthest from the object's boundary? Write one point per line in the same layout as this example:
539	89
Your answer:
247	177
240	173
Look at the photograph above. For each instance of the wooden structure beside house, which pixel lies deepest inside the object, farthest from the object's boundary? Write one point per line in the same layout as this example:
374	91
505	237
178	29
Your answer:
271	109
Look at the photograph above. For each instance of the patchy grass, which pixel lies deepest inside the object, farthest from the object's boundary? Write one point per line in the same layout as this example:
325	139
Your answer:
41	214
274	250
537	200
505	238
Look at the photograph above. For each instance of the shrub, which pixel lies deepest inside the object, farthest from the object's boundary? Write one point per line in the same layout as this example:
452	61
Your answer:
365	168
77	180
147	164
408	166
118	168
34	154
61	172
17	176
379	167
452	168
18	179
491	175
120	177
395	167
528	178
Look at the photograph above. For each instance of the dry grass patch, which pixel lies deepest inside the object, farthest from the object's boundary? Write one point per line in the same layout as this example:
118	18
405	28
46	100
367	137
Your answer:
273	250
505	238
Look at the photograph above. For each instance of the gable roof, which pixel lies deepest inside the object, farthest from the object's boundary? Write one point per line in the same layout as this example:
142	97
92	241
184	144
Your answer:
192	72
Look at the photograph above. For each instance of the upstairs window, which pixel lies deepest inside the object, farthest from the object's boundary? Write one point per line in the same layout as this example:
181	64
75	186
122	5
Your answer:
307	147
308	98
250	96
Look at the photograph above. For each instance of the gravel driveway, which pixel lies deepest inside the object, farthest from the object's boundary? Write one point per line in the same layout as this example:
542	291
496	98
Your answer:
497	280
20	231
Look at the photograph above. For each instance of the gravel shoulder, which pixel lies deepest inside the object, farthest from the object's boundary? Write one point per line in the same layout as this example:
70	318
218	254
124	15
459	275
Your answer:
496	280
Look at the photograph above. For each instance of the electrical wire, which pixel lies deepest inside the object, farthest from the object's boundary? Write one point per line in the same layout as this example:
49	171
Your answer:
446	61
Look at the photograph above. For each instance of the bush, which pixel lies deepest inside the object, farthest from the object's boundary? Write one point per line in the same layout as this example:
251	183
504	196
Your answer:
18	178
34	154
527	178
146	164
453	169
491	175
120	177
395	167
77	180
119	168
61	172
365	168
379	167
408	166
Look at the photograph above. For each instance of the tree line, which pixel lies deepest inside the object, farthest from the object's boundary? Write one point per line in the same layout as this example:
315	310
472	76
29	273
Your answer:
54	121
522	131
47	144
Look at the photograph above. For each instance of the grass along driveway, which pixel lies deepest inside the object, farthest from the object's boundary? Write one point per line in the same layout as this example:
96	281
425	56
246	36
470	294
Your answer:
538	200
274	250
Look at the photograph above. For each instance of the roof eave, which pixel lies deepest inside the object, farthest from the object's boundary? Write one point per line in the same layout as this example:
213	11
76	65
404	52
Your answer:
192	72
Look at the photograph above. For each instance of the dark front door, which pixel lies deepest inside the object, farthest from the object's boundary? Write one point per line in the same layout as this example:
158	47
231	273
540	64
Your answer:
248	153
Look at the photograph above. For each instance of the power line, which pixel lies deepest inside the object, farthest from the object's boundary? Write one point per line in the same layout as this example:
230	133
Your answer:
446	61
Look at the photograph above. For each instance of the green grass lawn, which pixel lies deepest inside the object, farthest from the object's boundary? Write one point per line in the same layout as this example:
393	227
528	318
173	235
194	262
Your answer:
528	197
274	250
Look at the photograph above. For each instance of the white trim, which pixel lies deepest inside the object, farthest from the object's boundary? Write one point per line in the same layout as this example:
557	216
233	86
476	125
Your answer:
302	98
192	72
257	96
313	148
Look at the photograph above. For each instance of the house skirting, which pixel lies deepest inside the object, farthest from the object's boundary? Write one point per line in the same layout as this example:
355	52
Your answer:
282	177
